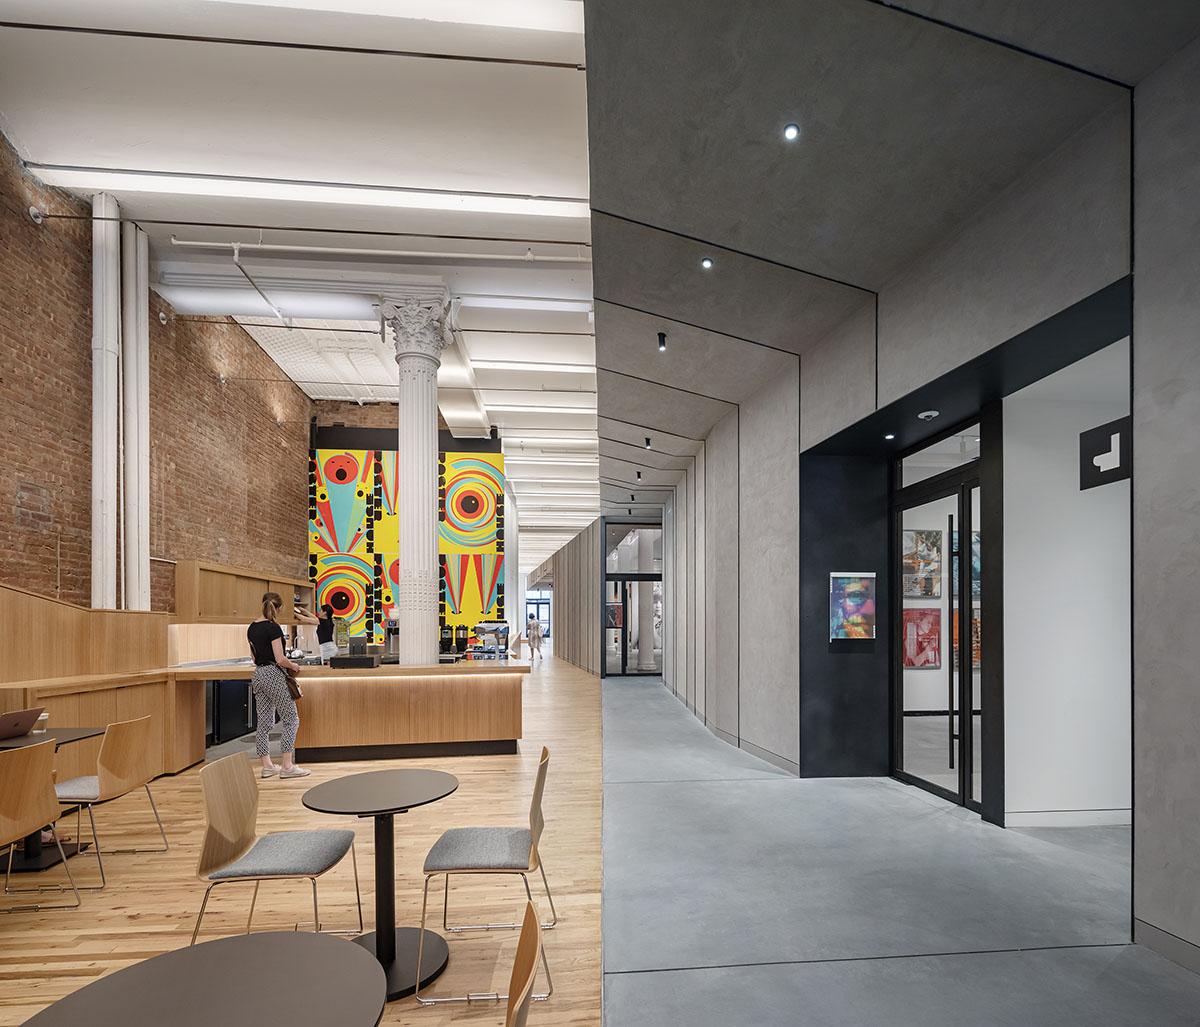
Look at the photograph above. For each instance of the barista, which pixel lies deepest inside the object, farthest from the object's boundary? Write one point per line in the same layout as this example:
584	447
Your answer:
325	626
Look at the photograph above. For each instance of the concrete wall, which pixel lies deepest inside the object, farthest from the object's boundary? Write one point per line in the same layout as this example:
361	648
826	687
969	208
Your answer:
1066	604
769	571
1166	510
721	557
1056	235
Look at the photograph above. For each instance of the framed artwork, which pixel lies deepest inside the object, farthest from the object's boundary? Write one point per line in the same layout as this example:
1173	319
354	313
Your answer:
921	641
976	640
921	563
851	605
976	564
613	615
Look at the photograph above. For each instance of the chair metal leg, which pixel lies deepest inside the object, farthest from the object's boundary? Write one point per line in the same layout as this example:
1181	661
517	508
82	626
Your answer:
200	915
37	906
357	891
462	928
96	846
161	831
316	914
253	900
471	996
549	898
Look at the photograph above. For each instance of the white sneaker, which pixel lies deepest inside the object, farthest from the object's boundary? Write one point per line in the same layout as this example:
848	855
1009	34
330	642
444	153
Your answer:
269	772
295	772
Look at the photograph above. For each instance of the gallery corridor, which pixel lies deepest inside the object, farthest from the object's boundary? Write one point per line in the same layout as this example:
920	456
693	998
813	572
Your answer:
735	893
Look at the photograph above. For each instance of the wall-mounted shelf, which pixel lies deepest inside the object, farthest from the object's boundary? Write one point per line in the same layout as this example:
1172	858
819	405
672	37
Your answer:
213	593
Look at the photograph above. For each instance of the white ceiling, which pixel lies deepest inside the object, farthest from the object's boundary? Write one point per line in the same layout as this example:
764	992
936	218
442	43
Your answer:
501	110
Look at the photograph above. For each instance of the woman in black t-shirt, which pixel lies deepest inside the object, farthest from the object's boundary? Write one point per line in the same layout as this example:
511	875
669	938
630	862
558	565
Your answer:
325	627
271	695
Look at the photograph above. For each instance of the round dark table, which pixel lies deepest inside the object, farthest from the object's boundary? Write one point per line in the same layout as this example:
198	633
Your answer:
382	794
294	978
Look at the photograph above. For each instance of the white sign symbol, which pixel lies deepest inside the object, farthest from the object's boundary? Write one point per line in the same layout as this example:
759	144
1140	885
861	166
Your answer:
1111	460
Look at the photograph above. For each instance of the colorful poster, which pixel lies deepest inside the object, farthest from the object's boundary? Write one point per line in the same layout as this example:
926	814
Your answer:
921	638
921	564
976	640
976	563
354	536
851	605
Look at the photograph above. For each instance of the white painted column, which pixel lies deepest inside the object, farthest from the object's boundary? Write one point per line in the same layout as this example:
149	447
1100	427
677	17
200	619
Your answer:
514	581
645	602
106	342
135	415
422	329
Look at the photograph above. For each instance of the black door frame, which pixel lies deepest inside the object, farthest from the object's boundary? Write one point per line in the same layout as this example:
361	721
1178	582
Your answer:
957	483
623	578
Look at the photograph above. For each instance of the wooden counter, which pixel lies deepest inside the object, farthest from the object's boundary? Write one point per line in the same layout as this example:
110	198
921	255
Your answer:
473	707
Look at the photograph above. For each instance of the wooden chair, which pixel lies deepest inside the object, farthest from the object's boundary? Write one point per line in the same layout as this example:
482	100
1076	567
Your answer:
232	851
28	804
489	850
520	984
127	761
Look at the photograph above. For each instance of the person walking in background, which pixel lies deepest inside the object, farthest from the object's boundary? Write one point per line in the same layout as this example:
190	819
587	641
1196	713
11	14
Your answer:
533	632
271	693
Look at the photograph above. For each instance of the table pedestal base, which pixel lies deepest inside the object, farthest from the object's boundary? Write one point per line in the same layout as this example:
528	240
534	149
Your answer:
42	857
402	974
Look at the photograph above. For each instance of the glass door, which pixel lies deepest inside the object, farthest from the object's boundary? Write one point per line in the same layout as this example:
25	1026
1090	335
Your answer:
633	624
937	661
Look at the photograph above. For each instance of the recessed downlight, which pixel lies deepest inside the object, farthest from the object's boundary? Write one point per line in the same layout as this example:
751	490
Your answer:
791	132
888	437
929	415
706	263
647	441
632	498
662	342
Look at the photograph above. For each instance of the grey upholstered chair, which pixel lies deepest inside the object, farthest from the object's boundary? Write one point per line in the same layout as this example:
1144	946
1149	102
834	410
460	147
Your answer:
489	850
127	761
232	852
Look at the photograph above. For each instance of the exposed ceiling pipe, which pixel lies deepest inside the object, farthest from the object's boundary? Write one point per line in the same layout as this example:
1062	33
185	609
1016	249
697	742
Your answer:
354	251
237	261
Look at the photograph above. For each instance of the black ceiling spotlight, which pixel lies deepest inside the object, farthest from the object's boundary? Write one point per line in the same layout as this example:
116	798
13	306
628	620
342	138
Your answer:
630	511
639	473
662	342
647	441
632	498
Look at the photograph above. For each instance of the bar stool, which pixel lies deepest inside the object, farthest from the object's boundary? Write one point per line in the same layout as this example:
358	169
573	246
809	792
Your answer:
232	851
126	762
27	804
490	850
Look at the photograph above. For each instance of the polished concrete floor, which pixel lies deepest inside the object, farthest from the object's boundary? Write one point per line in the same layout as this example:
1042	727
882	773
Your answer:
736	894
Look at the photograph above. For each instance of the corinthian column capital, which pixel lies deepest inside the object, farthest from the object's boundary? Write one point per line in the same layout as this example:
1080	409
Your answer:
420	327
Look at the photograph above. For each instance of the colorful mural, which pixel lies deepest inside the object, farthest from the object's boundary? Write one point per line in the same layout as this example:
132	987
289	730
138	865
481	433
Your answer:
354	533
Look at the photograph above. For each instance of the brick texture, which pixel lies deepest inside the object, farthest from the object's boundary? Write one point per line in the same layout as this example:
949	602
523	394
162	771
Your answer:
228	461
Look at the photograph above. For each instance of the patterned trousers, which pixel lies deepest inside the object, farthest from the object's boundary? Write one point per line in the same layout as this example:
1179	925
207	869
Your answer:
271	696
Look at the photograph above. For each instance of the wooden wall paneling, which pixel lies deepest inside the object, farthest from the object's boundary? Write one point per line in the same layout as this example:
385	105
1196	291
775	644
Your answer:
215	593
185	733
193	643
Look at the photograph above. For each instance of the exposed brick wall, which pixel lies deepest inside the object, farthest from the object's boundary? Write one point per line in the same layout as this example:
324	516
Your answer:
228	482
369	415
45	390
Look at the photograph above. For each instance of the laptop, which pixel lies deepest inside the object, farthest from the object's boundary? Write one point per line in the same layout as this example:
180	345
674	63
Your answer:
20	722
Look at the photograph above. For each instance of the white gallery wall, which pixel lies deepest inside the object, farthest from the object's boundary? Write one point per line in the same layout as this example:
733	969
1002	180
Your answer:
1066	604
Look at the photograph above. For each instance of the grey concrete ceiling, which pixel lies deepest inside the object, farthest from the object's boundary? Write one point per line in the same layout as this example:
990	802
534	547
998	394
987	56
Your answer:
1121	39
649	269
907	127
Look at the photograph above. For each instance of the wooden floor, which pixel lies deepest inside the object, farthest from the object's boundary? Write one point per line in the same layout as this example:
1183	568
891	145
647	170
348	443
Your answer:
151	901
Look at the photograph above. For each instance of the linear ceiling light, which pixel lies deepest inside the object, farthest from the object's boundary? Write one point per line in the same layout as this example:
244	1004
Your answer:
517	408
137	181
531	365
538	15
572	461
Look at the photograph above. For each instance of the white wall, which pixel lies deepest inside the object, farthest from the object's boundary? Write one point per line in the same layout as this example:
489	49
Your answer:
1066	604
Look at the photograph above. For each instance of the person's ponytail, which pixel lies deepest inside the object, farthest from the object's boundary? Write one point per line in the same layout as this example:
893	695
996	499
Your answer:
272	601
